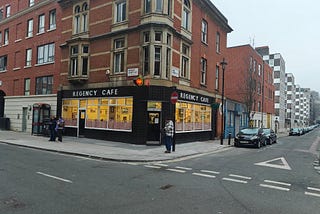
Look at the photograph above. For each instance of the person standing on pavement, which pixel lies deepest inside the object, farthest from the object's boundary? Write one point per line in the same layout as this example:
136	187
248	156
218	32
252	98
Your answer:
60	128
52	128
169	132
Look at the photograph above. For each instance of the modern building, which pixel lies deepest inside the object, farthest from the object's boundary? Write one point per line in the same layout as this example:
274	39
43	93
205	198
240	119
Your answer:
277	63
302	112
290	101
249	90
314	107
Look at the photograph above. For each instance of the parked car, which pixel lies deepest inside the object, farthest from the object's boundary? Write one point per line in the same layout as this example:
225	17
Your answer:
295	131
271	136
250	136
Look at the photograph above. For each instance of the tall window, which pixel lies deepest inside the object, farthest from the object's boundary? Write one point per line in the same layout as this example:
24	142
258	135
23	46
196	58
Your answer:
218	42
28	57
118	56
0	38
168	56
44	85
3	63
30	28
45	53
27	86
79	60
147	6
80	19
6	36
31	3
8	11
204	31
217	78
52	19
159	5
157	60
41	23
185	61
120	11
203	71
146	53
74	60
186	19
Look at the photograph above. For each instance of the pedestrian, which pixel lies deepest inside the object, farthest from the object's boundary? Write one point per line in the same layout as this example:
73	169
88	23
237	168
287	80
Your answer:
169	132
60	128
52	128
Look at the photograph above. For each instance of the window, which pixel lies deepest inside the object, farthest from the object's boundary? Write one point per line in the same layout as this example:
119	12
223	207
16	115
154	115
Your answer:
254	65
186	15
118	56
217	78
52	19
74	60
80	19
185	61
1	14
45	53
204	31
44	85
157	60
147	6
79	60
158	36
8	11
31	3
259	69
27	86
218	42
146	60
159	6
6	36
169	8
3	63
121	11
0	38
28	57
41	23
203	71
30	28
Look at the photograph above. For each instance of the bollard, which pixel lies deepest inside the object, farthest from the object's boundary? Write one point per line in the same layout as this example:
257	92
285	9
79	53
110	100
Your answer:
229	138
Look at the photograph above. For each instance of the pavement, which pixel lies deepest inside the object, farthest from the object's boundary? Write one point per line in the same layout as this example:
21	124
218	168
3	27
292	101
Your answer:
113	151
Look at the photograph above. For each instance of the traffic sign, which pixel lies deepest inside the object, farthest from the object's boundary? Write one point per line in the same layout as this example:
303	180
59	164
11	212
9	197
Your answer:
174	97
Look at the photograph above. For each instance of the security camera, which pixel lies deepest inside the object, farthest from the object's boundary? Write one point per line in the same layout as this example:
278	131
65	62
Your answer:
107	71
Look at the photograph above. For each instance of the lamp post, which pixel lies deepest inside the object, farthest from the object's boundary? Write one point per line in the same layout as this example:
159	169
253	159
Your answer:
223	65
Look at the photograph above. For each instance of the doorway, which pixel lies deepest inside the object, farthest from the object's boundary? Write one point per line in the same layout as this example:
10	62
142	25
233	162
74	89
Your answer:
82	122
154	126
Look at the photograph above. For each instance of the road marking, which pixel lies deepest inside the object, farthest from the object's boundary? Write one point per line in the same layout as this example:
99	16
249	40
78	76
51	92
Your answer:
277	182
312	194
204	175
160	164
240	176
176	170
315	189
283	165
274	187
54	177
154	167
185	168
235	180
212	172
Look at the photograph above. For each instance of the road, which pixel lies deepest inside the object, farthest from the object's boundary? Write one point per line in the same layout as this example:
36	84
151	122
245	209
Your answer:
280	178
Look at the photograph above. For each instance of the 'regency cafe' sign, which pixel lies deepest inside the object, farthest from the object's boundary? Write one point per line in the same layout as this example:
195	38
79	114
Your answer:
95	92
197	98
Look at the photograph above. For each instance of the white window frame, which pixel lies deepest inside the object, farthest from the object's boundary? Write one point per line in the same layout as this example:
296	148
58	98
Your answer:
52	19
28	57
31	3
6	37
41	23
45	53
186	13
119	55
30	28
120	11
185	61
8	11
203	71
204	31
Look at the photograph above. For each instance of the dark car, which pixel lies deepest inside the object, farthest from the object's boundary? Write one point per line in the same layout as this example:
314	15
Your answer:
295	131
250	136
270	135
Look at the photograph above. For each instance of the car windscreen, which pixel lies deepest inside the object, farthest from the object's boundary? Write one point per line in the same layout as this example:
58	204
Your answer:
267	131
249	131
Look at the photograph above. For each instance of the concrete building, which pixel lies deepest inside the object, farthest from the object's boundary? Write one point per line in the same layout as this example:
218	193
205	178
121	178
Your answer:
302	111
290	101
314	107
277	63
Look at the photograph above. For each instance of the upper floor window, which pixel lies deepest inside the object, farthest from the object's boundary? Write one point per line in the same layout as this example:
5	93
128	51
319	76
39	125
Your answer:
218	42
45	53
1	14
80	19
30	28
52	19
157	60
118	55
147	6
217	78
159	6
203	71
259	69
185	61
3	63
41	23
8	11
204	31
186	13
31	3
120	11
44	85
79	60
0	38
6	36
27	86
28	57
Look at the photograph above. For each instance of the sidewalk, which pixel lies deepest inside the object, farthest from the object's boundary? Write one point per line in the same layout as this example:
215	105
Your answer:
108	150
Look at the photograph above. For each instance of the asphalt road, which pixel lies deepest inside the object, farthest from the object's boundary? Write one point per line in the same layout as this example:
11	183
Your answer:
275	179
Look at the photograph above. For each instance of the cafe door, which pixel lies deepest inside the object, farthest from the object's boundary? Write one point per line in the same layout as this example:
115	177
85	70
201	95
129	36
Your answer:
82	122
154	119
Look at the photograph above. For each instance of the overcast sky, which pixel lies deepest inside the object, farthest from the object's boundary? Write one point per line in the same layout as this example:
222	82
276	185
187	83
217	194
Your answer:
288	27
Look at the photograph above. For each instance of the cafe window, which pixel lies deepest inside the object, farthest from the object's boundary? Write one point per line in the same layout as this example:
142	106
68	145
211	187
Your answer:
192	117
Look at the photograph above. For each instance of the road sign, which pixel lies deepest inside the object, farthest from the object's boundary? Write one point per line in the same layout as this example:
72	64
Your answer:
174	97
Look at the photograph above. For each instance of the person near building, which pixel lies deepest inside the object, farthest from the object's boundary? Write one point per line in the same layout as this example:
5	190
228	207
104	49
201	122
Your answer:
52	128
60	128
169	132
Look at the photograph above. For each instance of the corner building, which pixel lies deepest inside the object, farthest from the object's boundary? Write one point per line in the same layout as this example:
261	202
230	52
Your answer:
175	46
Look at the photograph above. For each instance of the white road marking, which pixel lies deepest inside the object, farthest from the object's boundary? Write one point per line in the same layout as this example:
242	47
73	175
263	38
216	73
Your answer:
154	167
185	168
277	182
240	176
235	180
268	163
274	187
315	189
54	177
160	164
212	172
204	175
176	170
312	194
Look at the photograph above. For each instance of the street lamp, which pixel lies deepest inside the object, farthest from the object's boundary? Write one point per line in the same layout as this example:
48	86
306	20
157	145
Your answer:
223	65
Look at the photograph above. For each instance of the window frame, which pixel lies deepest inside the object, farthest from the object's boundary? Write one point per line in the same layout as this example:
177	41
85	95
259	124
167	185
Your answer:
46	53
27	82
41	23
44	85
204	31
52	19
28	57
29	28
119	55
185	61
203	71
120	11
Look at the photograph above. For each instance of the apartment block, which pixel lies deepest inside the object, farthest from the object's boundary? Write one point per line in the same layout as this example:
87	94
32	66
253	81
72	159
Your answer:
290	101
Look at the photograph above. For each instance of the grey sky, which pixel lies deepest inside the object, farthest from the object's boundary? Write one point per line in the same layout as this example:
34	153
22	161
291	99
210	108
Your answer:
288	27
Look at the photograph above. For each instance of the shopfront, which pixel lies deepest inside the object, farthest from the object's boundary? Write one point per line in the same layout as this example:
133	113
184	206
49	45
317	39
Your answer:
135	114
